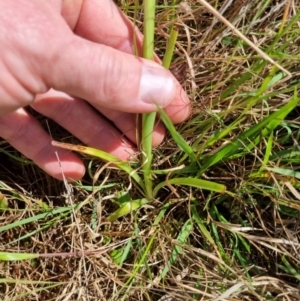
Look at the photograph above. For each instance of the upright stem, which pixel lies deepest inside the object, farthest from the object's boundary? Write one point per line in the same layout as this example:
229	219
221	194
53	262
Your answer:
148	119
149	26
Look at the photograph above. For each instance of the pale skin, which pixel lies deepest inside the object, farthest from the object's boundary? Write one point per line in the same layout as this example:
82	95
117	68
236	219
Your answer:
71	60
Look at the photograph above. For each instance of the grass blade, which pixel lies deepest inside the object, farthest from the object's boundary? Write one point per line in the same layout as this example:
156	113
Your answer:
192	182
182	144
186	230
35	218
264	127
103	156
170	48
6	256
201	226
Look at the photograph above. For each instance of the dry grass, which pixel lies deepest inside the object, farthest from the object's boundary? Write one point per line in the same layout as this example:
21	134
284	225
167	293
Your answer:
191	244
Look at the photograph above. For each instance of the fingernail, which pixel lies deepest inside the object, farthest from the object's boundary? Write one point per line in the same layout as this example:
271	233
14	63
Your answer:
157	86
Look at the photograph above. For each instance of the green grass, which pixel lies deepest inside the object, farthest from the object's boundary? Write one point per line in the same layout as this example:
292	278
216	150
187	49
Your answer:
195	240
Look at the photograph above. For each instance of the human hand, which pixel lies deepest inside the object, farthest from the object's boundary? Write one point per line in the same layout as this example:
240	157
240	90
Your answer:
83	49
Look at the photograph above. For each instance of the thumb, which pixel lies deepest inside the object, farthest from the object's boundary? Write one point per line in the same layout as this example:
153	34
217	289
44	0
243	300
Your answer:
108	78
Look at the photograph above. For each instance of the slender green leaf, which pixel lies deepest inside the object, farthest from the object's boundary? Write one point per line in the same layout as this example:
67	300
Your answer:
103	156
288	268
268	151
192	182
181	143
264	127
126	252
170	48
201	226
137	267
35	218
286	172
6	256
186	230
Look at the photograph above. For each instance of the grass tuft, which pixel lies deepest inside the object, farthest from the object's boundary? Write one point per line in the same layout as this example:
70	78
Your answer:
105	239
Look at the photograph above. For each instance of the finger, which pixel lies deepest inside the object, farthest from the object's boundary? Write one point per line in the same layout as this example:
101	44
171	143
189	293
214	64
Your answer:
57	58
107	78
86	124
24	133
119	34
180	109
127	124
104	23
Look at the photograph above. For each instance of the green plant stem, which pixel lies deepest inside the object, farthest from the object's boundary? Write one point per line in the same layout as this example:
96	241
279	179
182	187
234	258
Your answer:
148	119
170	48
146	147
149	23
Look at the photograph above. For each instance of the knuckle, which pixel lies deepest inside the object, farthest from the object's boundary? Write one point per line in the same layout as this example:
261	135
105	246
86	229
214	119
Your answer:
12	132
61	111
18	85
117	80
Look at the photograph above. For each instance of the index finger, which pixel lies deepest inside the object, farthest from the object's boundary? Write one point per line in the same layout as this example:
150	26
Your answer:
104	23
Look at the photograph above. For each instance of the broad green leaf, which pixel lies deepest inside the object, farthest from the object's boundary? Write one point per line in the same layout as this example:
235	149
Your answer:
3	202
161	214
123	198
121	254
127	208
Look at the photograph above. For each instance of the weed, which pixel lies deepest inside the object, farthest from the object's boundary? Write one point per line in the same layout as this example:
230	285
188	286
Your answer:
180	234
